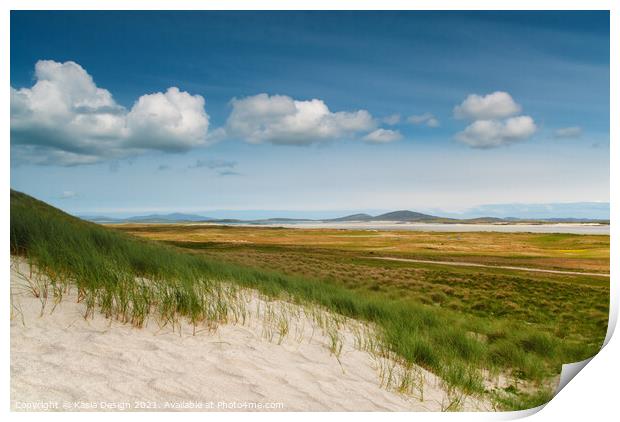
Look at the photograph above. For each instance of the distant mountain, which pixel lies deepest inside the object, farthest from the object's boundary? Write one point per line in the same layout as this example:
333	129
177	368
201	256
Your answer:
394	216
353	217
151	218
404	215
99	219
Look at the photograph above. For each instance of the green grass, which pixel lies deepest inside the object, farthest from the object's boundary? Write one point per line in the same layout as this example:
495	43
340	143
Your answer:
573	308
131	279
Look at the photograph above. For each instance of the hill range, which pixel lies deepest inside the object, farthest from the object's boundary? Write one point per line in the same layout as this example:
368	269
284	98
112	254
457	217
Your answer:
401	216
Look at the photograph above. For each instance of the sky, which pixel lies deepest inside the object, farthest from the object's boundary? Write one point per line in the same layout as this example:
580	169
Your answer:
312	114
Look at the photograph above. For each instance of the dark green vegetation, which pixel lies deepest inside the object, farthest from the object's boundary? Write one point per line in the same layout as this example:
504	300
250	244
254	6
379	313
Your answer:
129	278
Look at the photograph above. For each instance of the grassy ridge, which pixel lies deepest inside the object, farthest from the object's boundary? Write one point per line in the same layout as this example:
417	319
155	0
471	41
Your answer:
109	269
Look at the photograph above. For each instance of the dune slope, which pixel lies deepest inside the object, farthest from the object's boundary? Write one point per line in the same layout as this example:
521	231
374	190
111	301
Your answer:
58	356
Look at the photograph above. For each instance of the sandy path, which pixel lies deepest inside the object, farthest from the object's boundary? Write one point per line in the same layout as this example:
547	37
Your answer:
474	264
61	359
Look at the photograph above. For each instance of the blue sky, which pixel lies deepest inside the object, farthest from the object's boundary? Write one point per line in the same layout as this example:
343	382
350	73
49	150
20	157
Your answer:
269	113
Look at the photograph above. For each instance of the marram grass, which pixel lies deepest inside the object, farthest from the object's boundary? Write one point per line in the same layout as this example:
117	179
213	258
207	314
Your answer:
131	279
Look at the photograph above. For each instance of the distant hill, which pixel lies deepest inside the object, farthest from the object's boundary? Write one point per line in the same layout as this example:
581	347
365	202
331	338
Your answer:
353	217
404	215
98	218
151	218
394	216
168	217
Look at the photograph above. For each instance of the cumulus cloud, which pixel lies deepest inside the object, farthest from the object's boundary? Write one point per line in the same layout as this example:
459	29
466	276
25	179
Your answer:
494	133
382	136
279	119
172	121
66	119
497	105
392	119
572	132
493	121
423	119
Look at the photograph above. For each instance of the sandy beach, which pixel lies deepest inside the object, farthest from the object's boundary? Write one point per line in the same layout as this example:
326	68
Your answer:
62	361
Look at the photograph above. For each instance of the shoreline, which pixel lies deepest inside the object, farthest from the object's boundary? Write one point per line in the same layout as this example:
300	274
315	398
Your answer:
546	228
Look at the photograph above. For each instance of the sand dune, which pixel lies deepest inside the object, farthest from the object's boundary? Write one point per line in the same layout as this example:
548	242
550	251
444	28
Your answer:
60	360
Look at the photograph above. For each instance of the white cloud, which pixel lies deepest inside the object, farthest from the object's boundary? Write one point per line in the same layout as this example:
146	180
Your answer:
494	133
493	121
170	121
382	136
65	119
424	119
279	119
392	119
497	105
572	132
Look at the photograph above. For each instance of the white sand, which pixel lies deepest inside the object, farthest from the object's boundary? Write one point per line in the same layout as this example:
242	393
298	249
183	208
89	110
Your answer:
59	360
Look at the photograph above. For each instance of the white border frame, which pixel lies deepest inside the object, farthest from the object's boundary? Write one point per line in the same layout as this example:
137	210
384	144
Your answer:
593	392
